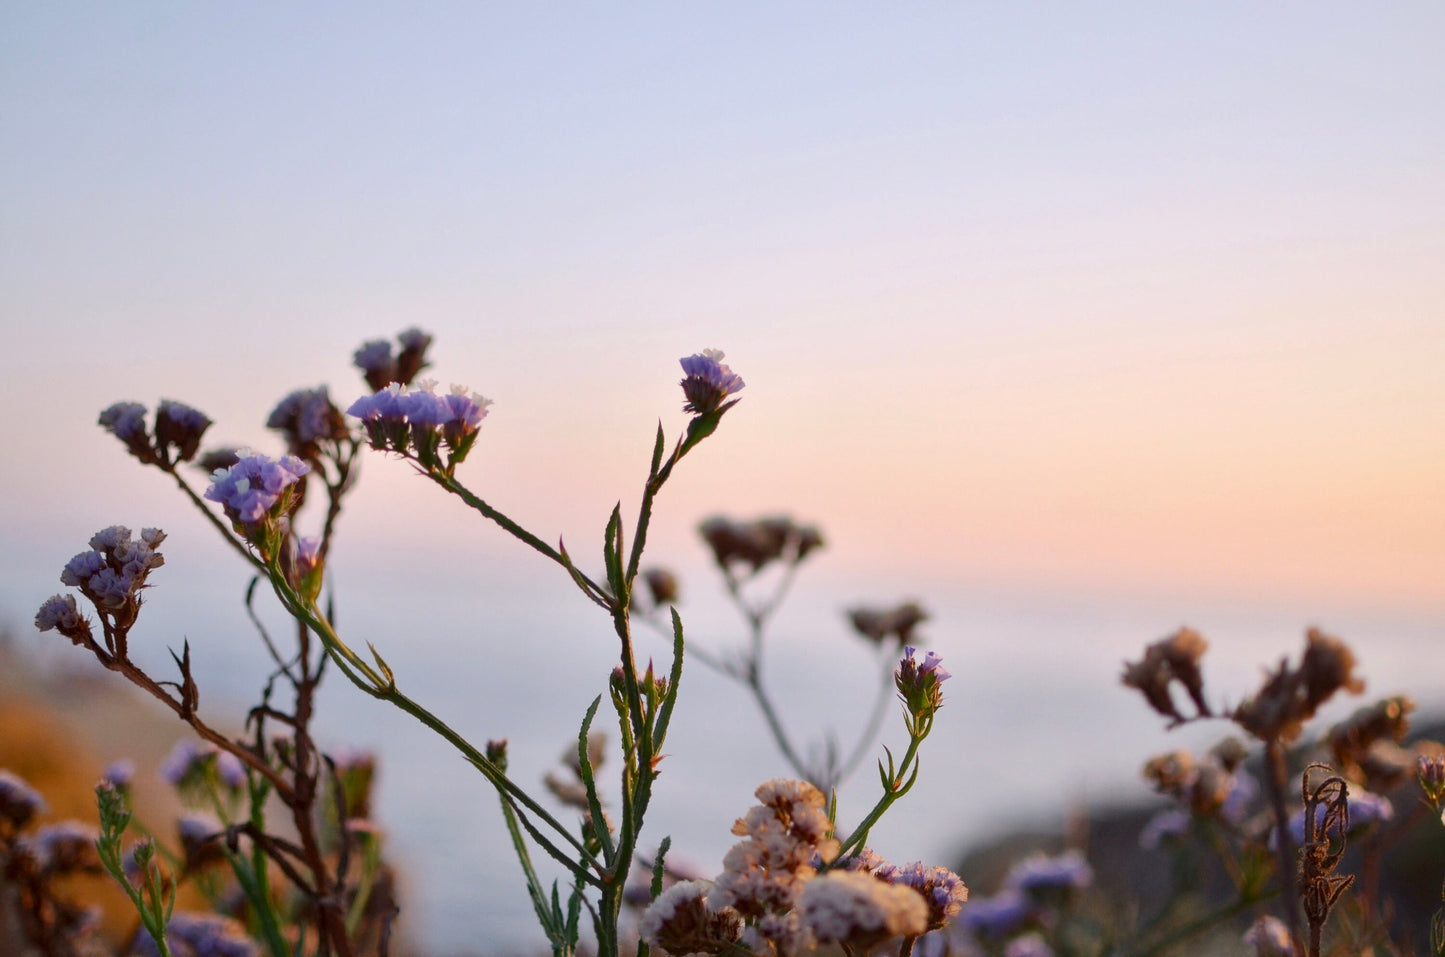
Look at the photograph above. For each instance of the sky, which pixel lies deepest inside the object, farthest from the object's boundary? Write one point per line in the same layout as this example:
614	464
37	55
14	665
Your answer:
1075	321
1060	296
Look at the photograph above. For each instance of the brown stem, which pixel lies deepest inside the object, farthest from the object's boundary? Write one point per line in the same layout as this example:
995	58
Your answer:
1276	773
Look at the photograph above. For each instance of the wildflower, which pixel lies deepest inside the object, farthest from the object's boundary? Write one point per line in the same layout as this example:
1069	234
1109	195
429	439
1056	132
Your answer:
119	774
1269	937
878	624
376	363
1432	777
200	935
190	765
60	613
763	874
997	917
1328	666
942	890
66	847
179	427
920	684
412	358
1042	876
681	921
708	382
1290	696
19	802
1168	825
661	586
218	458
307	418
127	422
198	832
255	491
1364	809
859	910
1175	658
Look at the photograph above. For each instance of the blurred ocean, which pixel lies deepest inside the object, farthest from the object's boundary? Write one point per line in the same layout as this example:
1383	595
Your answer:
1036	723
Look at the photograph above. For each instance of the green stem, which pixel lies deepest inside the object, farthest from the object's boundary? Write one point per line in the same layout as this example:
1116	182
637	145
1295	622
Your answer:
892	794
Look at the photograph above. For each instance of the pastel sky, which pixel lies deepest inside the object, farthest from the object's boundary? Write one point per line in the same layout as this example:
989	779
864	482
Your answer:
1088	297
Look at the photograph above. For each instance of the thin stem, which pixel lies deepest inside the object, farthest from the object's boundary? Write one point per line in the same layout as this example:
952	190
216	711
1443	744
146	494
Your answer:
236	544
1276	772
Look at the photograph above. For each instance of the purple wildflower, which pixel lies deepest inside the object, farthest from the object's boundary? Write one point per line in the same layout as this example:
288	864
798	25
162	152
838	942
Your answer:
467	408
307	417
252	487
375	361
1167	825
943	891
119	774
1043	873
78	570
200	935
126	421
708	382
423	407
19	802
920	684
179	427
111	575
65	847
997	917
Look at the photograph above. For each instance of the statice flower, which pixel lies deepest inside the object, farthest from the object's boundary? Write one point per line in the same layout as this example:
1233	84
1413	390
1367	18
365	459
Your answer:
255	489
127	422
997	917
764	873
111	575
65	847
418	421
681	921
60	613
19	802
191	763
920	685
200	935
1042	874
1168	825
179	427
119	774
1364	809
708	382
376	363
941	889
1431	775
859	910
896	624
307	418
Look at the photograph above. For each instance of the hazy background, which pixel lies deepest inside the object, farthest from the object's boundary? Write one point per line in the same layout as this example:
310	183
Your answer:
1074	322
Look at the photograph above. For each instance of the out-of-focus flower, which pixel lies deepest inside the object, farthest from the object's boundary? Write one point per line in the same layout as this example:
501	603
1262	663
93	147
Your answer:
200	935
307	418
707	382
759	543
1290	696
1044	874
880	624
19	802
197	832
998	917
1167	825
661	586
190	764
1365	809
1431	773
179	427
681	921
66	847
119	774
859	910
1175	658
376	363
1269	937
127	422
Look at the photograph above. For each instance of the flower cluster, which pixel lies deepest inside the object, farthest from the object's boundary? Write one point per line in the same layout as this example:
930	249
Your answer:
771	883
888	624
758	543
255	493
111	575
1171	659
418	422
192	934
307	418
176	437
920	686
708	382
19	802
382	369
192	766
1290	696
